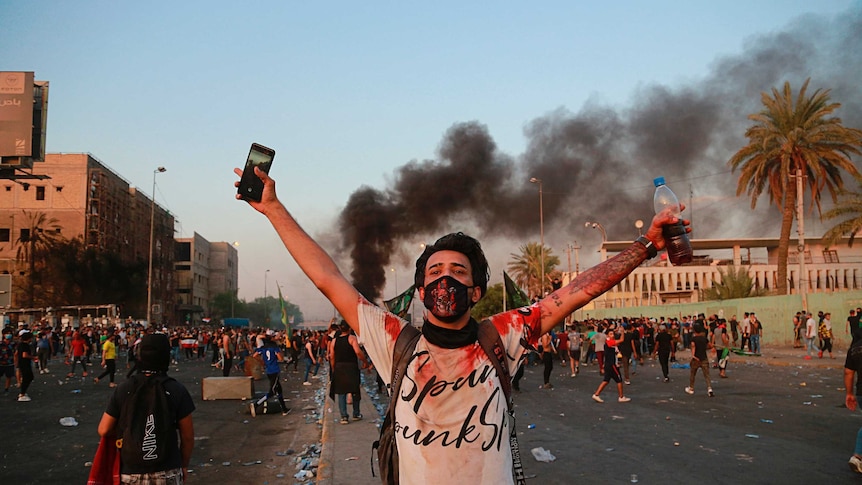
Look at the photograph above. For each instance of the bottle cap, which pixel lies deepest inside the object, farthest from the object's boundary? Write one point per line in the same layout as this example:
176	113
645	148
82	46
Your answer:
658	181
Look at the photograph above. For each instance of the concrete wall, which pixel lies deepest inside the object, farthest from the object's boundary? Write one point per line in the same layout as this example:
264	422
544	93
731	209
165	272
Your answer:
775	312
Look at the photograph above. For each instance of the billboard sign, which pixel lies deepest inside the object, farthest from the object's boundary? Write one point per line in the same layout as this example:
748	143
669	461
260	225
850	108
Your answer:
5	290
16	114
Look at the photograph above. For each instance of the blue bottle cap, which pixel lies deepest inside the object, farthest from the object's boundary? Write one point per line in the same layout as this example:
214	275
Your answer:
658	181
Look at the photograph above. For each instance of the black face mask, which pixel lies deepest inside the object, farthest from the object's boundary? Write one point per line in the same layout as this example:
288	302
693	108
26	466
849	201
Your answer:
447	299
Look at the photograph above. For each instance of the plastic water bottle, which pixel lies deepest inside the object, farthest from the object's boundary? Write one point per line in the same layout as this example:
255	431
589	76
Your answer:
676	240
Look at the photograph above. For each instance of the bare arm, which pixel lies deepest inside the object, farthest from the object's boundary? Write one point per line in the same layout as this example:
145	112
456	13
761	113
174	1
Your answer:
187	442
107	425
311	258
850	395
599	279
358	351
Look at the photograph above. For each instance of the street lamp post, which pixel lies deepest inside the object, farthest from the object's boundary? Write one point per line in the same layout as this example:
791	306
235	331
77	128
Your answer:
541	238
150	258
265	309
596	225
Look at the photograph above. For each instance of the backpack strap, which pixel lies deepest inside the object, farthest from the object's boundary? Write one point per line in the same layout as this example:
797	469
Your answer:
492	344
405	344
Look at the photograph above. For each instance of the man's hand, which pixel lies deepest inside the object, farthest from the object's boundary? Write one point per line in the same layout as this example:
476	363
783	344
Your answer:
661	219
850	402
268	199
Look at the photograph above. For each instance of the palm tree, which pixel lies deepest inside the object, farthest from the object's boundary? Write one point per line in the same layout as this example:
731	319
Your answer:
790	135
735	283
34	245
850	206
526	267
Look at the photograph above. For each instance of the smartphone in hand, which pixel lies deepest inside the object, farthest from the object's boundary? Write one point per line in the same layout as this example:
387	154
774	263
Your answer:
250	186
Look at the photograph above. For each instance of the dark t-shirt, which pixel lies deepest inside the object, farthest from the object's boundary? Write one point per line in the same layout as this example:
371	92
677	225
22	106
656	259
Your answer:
855	331
854	363
626	346
663	340
23	362
700	344
181	404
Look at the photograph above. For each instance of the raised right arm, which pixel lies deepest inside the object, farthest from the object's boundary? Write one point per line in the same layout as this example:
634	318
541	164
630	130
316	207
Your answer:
309	255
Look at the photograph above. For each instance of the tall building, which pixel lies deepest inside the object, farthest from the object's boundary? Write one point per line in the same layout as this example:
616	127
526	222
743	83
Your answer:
90	201
203	270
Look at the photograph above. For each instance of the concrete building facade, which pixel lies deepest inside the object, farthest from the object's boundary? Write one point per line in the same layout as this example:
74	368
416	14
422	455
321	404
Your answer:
91	201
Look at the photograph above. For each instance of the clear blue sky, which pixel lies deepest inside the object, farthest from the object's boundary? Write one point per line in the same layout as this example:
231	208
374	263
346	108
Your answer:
345	92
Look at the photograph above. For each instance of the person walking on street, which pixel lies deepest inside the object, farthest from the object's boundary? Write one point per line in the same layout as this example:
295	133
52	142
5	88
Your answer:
612	370
720	343
311	358
109	359
663	347
43	350
7	358
270	355
344	354
699	360
23	358
853	327
575	341
852	370
825	332
810	334
79	354
547	352
228	347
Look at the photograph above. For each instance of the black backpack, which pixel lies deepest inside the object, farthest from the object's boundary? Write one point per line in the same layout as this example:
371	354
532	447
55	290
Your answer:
146	431
405	344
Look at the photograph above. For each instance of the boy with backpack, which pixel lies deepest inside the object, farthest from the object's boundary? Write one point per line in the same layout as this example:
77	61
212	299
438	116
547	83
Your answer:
150	416
450	418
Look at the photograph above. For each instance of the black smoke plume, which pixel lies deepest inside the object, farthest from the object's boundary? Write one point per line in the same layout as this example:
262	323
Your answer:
598	163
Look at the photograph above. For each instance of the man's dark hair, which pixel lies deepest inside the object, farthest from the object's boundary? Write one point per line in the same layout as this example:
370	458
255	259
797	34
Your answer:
464	244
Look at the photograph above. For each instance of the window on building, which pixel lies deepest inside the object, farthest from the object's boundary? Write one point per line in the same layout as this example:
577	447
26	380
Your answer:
830	256
40	193
5	235
183	251
25	235
183	267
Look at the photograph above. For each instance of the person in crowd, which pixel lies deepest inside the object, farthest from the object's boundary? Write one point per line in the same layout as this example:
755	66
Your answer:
663	348
109	359
311	358
154	358
228	347
810	335
270	356
699	360
575	341
547	353
612	370
720	343
451	277
23	361
7	358
43	350
79	354
825	333
344	355
853	326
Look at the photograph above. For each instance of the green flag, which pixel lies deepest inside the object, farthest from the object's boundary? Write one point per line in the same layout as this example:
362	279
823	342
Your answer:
515	296
401	303
284	313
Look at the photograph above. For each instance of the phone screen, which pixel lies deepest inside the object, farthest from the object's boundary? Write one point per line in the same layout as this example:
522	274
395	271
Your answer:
250	186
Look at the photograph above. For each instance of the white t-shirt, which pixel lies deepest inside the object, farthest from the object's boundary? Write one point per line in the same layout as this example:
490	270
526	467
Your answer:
810	328
450	415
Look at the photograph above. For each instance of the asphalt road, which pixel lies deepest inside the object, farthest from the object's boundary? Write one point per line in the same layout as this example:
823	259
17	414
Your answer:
800	430
766	424
230	445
